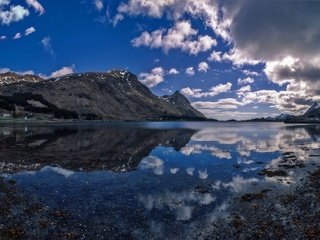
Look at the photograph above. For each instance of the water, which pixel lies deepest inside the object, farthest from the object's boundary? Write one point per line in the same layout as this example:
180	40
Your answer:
151	180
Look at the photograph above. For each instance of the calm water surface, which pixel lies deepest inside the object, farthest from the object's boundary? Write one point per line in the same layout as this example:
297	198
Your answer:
151	180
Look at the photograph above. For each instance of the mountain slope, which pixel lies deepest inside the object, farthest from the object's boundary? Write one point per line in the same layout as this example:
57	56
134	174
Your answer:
313	111
115	95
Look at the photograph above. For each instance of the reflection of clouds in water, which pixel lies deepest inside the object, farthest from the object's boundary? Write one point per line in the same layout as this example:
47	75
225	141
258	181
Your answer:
255	138
199	148
203	174
154	163
244	161
184	213
239	184
190	171
249	169
221	135
61	171
181	204
174	170
48	169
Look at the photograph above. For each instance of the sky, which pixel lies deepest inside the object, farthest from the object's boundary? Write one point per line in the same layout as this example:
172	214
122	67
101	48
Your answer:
233	59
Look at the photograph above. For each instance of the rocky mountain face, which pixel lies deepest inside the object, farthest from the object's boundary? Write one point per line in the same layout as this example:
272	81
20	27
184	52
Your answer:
114	95
10	77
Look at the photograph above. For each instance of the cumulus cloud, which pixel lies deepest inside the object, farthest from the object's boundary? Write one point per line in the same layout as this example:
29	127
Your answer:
294	102
180	36
3	37
215	56
4	2
36	5
243	90
203	67
190	71
12	14
60	72
29	31
98	4
279	29
250	73
17	36
206	10
173	71
247	80
152	79
213	91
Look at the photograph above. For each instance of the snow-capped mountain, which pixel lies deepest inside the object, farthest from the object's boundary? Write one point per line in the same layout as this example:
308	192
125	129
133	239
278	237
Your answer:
10	77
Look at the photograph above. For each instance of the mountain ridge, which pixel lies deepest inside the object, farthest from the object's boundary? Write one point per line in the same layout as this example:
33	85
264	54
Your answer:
112	95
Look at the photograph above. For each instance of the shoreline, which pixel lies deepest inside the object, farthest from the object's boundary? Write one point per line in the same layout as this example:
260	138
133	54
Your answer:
38	122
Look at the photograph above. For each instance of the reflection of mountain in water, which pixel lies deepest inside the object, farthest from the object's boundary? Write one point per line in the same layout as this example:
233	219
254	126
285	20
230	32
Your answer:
85	149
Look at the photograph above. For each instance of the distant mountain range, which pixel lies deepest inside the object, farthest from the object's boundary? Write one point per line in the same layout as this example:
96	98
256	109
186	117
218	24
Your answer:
312	115
114	95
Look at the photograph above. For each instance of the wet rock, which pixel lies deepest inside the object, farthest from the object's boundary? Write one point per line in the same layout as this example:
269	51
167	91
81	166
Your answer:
249	197
238	222
273	173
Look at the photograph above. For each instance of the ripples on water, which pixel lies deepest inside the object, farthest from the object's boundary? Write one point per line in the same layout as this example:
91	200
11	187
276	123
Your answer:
152	180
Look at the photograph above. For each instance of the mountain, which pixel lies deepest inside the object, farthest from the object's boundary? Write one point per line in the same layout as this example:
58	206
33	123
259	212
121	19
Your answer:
10	77
313	111
283	117
113	95
312	115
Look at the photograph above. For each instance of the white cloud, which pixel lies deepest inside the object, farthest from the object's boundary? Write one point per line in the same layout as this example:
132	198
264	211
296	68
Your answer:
98	4
215	56
173	71
60	72
203	67
213	91
294	102
154	78
118	18
180	36
248	80
29	31
4	2
226	103
245	89
250	73
13	14
17	36
36	5
206	10
190	71
3	37
46	43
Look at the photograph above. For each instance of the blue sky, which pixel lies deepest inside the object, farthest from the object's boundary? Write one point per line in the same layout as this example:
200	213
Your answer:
232	59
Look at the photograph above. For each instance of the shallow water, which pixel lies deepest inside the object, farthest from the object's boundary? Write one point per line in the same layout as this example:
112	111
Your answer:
152	180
